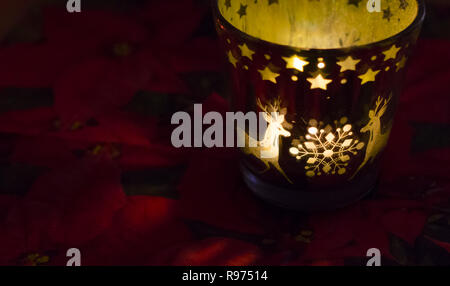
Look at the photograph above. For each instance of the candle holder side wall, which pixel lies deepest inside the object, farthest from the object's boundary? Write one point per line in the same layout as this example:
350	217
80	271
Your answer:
329	114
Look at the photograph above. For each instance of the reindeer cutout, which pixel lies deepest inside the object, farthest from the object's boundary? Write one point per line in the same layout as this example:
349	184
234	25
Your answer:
267	150
377	140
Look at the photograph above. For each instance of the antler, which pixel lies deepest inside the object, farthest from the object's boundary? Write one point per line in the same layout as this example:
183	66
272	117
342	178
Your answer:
377	104
259	103
276	104
383	107
270	108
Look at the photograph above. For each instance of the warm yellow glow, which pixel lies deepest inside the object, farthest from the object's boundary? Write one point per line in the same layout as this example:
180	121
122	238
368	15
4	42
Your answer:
293	151
344	81
268	149
401	64
246	52
349	64
312	130
391	53
232	59
295	62
294	78
321	65
368	76
319	82
317	24
377	139
269	75
327	152
330	137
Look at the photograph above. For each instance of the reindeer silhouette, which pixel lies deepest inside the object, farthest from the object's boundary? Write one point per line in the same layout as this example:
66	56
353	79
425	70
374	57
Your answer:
377	140
267	150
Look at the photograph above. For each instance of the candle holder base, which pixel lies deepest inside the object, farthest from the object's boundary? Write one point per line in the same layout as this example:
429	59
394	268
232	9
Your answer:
311	201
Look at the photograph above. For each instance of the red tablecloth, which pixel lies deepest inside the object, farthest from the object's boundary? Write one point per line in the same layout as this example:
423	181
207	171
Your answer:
86	160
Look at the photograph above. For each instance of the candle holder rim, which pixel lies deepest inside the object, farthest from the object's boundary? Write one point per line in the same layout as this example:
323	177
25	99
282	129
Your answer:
418	20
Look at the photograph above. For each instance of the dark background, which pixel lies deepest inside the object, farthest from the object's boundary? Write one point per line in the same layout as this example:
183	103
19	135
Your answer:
86	161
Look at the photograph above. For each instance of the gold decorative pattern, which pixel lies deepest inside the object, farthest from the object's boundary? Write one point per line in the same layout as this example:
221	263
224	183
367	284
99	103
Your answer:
327	152
308	24
377	139
295	62
349	64
232	59
369	76
401	64
391	53
242	11
319	82
245	51
268	149
269	75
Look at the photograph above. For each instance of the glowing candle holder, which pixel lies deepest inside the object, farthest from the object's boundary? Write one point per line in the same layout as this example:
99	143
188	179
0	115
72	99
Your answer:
328	75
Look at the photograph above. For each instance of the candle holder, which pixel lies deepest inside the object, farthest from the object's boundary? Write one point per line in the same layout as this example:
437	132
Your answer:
327	75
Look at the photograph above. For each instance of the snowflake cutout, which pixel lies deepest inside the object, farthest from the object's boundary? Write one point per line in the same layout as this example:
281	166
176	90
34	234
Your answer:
327	151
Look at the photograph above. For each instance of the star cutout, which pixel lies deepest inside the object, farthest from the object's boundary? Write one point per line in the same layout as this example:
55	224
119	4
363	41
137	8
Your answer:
403	4
242	11
391	53
295	62
267	74
387	14
349	64
401	64
319	82
273	2
246	52
232	59
354	2
228	4
368	76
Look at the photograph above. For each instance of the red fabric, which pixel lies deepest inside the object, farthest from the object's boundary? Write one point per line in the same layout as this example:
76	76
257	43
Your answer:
82	195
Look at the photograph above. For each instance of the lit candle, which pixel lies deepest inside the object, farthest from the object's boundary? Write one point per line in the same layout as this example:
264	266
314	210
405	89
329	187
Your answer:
333	70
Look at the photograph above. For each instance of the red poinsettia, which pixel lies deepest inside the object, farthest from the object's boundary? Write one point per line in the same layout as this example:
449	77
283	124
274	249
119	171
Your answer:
67	206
